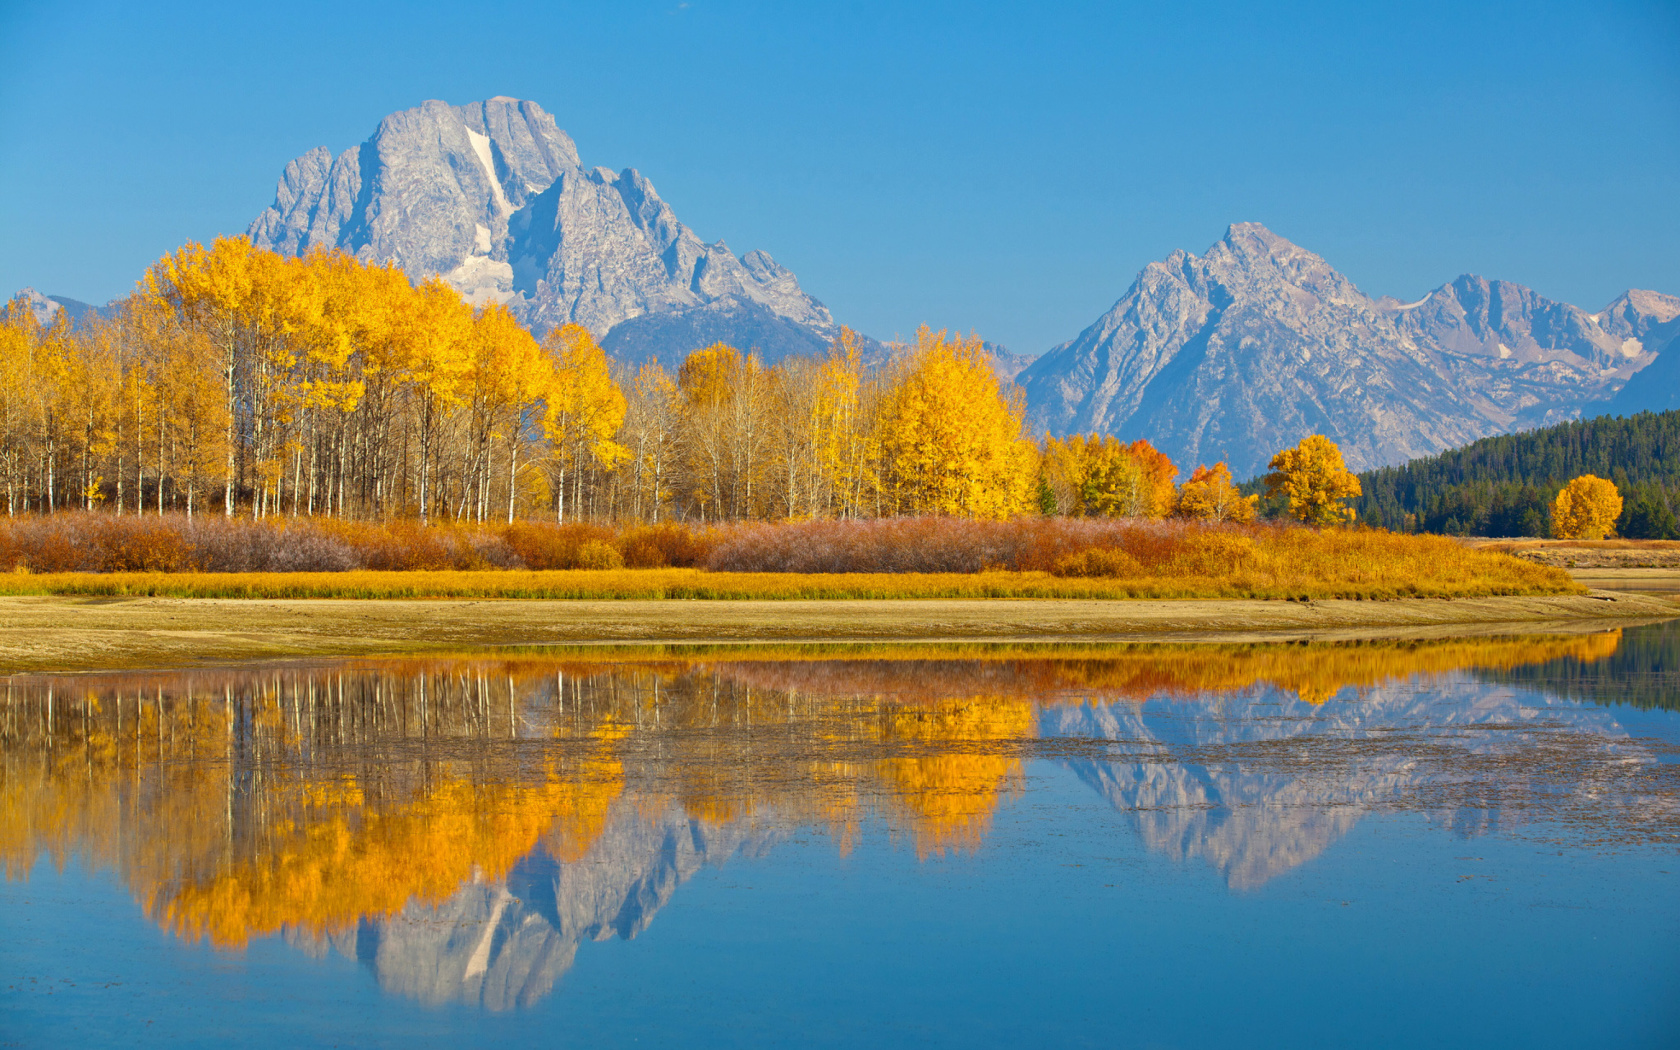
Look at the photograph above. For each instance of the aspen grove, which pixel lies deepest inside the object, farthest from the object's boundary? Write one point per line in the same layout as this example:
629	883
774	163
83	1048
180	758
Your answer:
239	381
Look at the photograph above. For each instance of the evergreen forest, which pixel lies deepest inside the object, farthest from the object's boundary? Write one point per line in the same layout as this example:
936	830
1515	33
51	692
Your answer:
1504	486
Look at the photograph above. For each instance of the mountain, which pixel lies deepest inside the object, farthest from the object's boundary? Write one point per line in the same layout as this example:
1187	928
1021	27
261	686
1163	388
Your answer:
46	307
503	944
1259	342
1260	810
1655	321
493	196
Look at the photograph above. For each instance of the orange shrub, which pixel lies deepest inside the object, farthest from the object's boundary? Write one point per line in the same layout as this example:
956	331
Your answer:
133	544
1098	561
540	546
666	545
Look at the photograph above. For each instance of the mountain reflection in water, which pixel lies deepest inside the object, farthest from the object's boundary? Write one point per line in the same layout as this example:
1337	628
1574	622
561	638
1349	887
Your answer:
462	824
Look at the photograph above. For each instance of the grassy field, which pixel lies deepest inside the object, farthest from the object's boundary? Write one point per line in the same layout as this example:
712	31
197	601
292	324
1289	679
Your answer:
1457	573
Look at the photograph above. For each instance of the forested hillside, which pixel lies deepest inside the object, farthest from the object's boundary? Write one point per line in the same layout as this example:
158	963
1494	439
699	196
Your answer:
1504	486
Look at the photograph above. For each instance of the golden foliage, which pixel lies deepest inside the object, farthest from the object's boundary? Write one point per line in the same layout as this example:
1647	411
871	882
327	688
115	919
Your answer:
1097	475
585	409
1586	509
1312	477
952	438
1210	495
950	798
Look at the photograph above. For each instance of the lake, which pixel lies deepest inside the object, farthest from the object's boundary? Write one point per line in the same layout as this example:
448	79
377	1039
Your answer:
1452	842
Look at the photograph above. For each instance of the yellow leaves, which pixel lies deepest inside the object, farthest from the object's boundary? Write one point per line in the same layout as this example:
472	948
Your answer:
951	436
1209	495
1586	509
1314	480
434	343
725	400
1096	474
950	798
709	377
844	434
585	407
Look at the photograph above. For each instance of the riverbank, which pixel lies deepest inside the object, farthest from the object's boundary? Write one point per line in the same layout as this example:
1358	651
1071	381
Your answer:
83	633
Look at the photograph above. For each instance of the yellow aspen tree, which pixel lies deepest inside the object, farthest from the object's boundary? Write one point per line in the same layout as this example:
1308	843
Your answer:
1062	472
52	377
1209	495
211	290
436	341
87	403
706	385
136	329
952	438
21	403
1586	509
584	409
848	439
795	419
747	436
328	383
284	316
724	399
1312	477
1114	483
506	384
191	385
362	384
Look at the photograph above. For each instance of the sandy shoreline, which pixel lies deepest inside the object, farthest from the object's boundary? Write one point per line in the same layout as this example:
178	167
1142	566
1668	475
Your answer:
85	634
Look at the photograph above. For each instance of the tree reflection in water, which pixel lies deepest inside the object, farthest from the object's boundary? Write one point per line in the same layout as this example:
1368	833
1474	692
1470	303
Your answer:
463	823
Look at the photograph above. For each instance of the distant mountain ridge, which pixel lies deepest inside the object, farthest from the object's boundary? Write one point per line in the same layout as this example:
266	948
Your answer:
46	307
1259	342
1229	355
493	197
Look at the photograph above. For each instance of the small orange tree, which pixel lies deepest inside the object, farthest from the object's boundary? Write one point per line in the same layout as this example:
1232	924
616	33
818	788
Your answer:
1314	480
1586	509
1209	495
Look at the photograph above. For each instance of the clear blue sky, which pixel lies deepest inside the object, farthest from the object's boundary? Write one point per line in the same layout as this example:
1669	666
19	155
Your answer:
1002	168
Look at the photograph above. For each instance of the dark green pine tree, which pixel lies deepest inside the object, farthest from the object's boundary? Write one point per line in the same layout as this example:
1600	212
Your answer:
1504	486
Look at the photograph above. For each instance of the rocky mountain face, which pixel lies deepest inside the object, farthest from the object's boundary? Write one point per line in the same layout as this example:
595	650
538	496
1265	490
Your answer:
46	307
1260	812
504	944
1654	320
493	196
1259	342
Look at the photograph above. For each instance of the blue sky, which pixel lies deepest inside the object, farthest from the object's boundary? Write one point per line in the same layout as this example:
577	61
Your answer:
1001	168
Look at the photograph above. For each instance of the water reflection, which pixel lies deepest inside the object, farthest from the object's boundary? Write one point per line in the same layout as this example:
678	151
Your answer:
462	825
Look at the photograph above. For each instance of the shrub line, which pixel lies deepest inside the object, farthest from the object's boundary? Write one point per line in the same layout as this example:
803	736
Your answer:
695	584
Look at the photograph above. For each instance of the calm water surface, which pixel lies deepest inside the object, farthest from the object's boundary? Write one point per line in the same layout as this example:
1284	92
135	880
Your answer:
1471	842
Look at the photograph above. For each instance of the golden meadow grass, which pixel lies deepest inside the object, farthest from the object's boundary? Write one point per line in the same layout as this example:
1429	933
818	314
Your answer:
1455	573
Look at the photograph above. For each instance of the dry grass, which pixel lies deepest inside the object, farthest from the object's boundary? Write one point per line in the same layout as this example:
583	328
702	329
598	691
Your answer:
1437	580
